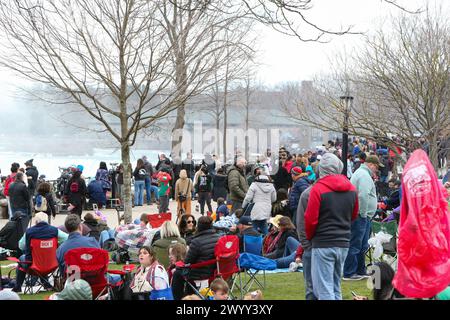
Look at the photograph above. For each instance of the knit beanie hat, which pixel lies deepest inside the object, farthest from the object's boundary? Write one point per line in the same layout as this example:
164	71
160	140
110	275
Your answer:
8	295
76	290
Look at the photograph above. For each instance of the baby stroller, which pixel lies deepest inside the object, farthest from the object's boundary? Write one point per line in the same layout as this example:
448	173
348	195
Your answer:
389	228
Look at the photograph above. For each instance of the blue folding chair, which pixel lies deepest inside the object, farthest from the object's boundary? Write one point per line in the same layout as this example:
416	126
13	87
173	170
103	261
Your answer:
253	245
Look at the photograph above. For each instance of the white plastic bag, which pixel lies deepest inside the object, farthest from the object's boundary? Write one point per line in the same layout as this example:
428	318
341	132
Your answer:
377	243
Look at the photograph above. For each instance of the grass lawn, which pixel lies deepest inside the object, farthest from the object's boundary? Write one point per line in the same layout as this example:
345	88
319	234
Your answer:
284	286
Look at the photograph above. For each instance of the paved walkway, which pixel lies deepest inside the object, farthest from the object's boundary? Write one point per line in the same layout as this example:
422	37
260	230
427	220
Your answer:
111	214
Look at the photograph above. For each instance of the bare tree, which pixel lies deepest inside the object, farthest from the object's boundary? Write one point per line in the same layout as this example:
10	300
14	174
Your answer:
400	82
110	58
290	17
194	31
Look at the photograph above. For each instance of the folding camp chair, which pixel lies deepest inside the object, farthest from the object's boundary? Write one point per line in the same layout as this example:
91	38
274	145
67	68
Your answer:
389	248
227	265
253	245
43	265
91	265
157	220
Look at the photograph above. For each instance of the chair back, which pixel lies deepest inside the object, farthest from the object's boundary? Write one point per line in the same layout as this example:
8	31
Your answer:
253	244
227	256
157	220
43	253
92	266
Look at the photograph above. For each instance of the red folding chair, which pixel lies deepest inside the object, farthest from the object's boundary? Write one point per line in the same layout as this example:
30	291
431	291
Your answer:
157	220
91	265
43	264
227	258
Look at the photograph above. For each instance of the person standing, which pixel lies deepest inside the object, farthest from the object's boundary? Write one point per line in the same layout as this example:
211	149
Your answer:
262	193
9	180
355	264
48	206
102	175
332	205
301	183
164	180
76	192
237	184
204	190
139	175
183	193
305	254
20	198
189	166
219	190
32	176
148	180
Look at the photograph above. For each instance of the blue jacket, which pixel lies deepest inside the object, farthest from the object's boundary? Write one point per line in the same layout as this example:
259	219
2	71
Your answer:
223	210
40	231
74	241
294	196
96	192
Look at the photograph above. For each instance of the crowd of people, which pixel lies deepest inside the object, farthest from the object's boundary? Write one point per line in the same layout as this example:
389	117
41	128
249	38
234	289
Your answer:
308	211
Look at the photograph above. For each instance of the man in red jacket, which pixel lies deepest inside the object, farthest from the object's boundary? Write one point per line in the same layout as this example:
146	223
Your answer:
332	206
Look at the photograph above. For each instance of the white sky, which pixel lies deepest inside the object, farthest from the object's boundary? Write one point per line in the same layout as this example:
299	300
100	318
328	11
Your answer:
286	58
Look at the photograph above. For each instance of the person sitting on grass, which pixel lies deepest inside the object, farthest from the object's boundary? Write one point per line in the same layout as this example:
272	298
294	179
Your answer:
220	289
287	242
150	275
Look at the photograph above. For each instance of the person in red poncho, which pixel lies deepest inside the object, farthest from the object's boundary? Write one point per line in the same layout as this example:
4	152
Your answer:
424	231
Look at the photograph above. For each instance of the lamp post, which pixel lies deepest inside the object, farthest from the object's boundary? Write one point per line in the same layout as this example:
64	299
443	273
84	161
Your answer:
347	100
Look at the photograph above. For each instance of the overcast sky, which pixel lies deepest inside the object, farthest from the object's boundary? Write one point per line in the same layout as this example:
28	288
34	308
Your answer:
286	58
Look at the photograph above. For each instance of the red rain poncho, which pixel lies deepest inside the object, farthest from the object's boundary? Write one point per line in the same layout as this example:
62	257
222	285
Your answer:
424	232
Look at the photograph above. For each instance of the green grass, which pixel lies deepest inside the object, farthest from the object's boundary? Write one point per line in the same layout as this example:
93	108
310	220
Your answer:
284	286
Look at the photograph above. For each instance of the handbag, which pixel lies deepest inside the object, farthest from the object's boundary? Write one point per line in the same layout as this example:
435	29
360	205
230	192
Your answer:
161	294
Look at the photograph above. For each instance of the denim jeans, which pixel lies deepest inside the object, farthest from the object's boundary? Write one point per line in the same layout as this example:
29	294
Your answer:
327	265
384	179
356	259
290	252
155	190
306	260
139	192
261	226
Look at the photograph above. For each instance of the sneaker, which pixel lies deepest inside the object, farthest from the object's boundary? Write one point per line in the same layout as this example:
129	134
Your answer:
354	277
364	276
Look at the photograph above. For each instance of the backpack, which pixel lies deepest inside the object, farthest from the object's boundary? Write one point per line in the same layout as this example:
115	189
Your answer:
74	187
41	203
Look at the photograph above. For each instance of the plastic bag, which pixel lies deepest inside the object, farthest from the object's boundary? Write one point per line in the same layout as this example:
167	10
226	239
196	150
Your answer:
424	232
377	243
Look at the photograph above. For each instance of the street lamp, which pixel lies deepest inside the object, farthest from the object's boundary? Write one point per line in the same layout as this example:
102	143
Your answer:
348	103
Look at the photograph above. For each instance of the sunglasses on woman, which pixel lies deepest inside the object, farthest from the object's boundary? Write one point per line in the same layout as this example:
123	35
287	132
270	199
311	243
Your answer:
190	221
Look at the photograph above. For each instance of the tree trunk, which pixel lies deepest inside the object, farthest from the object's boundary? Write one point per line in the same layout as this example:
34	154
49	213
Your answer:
179	125
127	198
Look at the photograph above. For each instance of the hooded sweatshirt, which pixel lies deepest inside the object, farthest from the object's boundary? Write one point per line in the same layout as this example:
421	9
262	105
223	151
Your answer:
263	194
332	206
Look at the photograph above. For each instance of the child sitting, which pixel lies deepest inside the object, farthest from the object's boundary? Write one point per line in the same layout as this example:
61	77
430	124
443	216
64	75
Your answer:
222	209
219	289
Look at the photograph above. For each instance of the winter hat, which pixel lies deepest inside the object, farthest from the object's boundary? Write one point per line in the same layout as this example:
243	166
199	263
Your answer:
296	171
76	290
8	295
80	168
245	220
29	162
330	165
